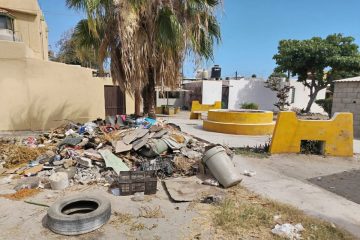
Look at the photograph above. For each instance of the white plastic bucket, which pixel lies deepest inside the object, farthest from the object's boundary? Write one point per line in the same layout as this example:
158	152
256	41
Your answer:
59	181
221	166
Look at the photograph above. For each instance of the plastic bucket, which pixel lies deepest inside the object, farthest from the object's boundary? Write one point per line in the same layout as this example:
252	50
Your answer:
59	181
221	167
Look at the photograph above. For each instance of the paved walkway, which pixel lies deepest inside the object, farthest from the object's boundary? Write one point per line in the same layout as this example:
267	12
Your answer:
194	127
284	177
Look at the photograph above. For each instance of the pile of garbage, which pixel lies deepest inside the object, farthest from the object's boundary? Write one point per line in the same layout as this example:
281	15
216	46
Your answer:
97	152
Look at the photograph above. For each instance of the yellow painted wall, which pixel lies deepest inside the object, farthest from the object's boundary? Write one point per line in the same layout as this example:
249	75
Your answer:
37	94
196	107
29	25
337	134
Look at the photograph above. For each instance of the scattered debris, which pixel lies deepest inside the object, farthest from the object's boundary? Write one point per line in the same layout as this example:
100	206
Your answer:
100	152
211	182
249	173
288	231
212	199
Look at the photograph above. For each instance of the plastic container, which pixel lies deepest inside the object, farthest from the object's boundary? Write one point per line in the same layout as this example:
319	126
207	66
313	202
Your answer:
221	167
59	181
131	182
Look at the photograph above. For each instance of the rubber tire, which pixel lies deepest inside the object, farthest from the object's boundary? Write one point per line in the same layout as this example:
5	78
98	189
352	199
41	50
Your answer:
78	224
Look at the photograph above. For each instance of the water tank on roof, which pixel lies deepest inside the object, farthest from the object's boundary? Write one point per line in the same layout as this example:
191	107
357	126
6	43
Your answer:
202	74
216	72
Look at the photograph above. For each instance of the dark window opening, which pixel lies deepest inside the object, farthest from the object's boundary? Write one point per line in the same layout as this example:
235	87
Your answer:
169	94
312	147
6	23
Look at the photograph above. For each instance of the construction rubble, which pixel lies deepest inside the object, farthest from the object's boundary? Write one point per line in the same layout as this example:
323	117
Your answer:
104	152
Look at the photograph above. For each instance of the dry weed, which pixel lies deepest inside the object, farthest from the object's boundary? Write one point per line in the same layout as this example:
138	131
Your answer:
137	226
121	218
16	154
248	215
148	212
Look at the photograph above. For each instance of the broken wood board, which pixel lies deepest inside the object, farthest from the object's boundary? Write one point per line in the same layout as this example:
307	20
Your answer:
160	133
120	147
34	170
141	132
141	142
130	137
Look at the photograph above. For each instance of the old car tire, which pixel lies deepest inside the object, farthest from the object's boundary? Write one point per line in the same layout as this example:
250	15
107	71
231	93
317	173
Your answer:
78	214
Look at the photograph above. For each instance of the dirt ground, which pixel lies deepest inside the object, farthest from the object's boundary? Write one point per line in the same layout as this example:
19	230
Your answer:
20	220
241	215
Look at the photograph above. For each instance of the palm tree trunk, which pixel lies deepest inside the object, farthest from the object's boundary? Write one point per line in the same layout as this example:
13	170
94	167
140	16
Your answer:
149	95
137	97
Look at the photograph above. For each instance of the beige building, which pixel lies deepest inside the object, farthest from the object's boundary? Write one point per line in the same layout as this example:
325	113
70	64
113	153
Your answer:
37	94
23	21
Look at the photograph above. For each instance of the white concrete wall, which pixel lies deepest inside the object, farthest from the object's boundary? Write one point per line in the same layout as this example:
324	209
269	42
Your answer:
254	90
211	91
302	97
177	102
250	90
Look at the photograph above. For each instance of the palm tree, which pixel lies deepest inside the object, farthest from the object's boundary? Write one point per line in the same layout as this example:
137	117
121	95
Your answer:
147	40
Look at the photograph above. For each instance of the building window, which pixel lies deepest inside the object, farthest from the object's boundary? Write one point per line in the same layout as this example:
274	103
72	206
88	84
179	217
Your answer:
169	94
292	95
6	22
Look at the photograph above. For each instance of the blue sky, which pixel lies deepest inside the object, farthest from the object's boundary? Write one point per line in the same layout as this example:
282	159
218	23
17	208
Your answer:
251	29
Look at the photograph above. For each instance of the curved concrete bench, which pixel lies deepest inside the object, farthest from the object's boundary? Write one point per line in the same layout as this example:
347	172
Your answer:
241	122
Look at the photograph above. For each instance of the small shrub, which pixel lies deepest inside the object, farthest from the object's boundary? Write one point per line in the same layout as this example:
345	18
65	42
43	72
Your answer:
325	104
312	147
250	106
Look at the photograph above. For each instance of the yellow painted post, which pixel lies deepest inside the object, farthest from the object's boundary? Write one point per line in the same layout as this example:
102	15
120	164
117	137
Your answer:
337	133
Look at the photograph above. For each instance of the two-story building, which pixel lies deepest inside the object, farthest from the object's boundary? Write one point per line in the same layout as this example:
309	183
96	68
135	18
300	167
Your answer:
36	93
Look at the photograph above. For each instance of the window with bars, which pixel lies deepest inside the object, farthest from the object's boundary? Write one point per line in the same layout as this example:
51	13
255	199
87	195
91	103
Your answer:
292	95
